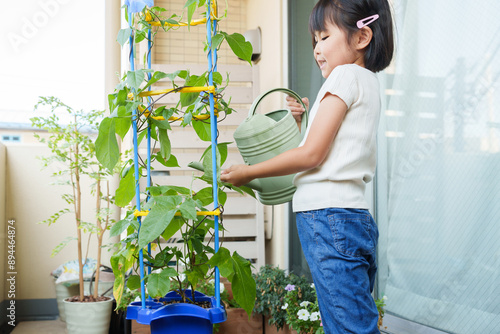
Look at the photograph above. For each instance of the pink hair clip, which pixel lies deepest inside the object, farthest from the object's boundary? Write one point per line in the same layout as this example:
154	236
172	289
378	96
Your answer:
366	21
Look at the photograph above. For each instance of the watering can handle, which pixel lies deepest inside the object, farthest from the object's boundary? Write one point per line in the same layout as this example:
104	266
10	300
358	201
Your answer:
287	91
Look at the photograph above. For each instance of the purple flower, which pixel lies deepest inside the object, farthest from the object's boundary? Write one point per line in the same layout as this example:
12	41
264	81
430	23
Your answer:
135	6
290	287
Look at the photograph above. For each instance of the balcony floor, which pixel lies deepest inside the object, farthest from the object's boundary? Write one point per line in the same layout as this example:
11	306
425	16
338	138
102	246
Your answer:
36	327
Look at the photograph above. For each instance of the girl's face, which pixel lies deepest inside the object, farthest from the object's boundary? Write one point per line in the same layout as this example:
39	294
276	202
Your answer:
332	49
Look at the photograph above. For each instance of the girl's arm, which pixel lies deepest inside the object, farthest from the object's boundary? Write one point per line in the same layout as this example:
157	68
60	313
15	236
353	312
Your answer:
323	130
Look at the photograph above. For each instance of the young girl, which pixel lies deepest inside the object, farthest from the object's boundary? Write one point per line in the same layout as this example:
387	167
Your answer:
352	39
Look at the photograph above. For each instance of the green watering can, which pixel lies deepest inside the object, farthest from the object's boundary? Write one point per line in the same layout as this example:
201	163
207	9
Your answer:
262	137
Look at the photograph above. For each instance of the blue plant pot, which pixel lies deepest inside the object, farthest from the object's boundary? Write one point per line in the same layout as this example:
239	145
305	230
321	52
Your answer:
178	317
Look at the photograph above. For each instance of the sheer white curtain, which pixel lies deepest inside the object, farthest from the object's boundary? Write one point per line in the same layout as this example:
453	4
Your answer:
438	177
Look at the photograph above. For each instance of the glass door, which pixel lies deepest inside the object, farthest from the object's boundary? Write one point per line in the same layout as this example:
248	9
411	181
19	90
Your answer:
438	174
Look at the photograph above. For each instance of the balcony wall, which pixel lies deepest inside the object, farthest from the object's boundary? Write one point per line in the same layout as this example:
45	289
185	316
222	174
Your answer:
31	198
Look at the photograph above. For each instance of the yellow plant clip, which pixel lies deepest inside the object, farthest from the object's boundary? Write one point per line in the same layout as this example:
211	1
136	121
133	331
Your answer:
213	15
216	212
210	89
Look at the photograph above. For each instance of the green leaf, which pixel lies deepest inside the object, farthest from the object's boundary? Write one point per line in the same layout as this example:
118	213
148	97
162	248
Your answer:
126	190
123	36
171	162
165	145
191	5
193	81
217	77
241	48
207	163
165	125
197	245
116	262
243	283
187	118
216	41
177	189
119	227
159	218
155	78
172	228
135	78
134	282
205	196
123	121
106	145
246	190
158	285
169	272
121	263
188	209
222	259
223	152
202	130
163	258
222	197
139	36
181	74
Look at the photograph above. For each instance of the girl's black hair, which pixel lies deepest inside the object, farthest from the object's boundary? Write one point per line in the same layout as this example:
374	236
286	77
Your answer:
346	13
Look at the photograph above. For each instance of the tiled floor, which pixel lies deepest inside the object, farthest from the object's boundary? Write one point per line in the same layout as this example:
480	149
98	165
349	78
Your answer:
59	327
41	327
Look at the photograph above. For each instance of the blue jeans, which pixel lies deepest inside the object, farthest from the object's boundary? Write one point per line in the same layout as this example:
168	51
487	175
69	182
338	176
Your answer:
339	245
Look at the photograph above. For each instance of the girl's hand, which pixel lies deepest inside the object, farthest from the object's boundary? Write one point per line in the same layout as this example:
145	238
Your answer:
237	175
296	108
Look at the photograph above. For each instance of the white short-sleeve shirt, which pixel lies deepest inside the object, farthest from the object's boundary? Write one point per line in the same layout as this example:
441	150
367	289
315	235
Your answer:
340	180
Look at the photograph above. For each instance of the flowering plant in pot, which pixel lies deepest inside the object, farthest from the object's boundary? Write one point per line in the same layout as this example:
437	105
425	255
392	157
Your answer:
171	209
302	314
272	283
74	156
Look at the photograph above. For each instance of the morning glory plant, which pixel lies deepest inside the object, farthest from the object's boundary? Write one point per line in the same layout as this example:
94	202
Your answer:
169	209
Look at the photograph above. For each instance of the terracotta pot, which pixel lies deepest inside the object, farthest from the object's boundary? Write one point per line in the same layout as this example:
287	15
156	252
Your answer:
270	329
139	328
238	322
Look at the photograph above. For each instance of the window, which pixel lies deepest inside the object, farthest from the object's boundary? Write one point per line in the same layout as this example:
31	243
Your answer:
438	181
11	138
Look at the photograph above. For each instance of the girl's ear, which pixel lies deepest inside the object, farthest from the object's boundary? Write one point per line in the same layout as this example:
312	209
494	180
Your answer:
363	37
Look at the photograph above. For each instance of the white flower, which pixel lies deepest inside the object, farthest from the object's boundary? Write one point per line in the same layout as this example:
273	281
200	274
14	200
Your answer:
312	285
384	298
303	314
284	307
314	316
305	303
222	287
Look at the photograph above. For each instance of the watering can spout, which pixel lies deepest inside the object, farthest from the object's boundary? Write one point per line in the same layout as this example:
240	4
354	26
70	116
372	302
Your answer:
254	184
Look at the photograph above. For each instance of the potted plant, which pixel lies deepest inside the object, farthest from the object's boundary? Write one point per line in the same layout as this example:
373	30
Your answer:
381	310
170	209
72	148
302	313
272	284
